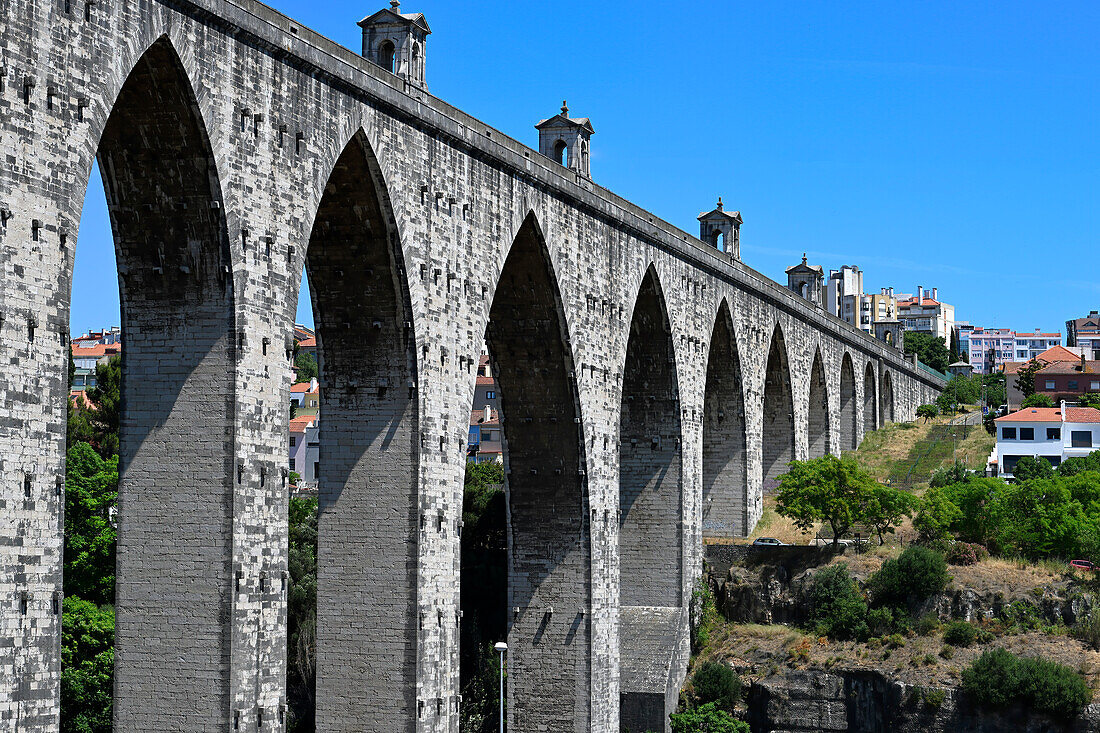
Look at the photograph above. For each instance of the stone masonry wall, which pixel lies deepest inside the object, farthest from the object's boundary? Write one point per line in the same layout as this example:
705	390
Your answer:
272	108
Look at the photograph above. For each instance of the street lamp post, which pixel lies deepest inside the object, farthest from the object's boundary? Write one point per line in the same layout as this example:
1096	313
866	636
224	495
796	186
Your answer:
502	648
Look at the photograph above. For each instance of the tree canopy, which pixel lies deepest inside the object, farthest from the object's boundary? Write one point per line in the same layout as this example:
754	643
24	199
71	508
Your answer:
932	350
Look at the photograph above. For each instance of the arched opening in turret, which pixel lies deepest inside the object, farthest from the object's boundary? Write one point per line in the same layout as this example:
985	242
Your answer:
369	445
546	522
725	475
561	152
849	436
387	56
650	511
870	400
778	433
818	412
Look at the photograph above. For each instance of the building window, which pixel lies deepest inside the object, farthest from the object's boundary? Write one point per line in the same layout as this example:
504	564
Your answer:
1027	433
293	440
1072	384
475	436
1094	385
292	464
1050	384
313	403
316	470
1008	433
490	395
1054	433
1081	438
1009	463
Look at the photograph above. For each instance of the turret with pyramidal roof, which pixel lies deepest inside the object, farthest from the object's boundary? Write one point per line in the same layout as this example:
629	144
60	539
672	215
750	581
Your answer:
565	139
397	42
722	230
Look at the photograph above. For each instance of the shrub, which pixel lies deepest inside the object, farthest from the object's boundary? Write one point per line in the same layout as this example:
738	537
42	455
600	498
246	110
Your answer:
1080	464
960	633
716	683
1087	628
881	621
927	411
934	698
949	475
1037	400
1032	467
928	624
947	652
915	575
998	678
706	719
966	553
837	608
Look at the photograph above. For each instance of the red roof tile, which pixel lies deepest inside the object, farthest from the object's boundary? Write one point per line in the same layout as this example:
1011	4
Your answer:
308	343
299	424
301	387
477	417
1082	414
1053	414
1071	367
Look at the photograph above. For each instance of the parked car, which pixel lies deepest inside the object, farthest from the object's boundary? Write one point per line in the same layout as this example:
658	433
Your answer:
767	542
1082	565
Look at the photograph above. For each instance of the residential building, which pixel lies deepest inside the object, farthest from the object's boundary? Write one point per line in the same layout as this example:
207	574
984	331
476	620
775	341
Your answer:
485	441
87	358
305	450
881	306
306	397
1066	379
844	297
963	329
105	337
925	313
1053	433
991	349
1085	333
1053	355
807	281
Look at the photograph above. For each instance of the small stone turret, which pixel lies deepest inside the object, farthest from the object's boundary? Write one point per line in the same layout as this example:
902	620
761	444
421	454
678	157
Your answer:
397	42
565	139
722	230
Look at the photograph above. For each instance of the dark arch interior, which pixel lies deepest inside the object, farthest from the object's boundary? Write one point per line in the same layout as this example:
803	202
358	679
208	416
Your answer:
870	401
548	530
387	56
178	387
778	448
561	152
725	478
887	398
650	511
849	436
818	417
368	523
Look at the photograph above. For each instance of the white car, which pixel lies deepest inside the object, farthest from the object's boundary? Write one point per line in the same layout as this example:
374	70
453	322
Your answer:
767	542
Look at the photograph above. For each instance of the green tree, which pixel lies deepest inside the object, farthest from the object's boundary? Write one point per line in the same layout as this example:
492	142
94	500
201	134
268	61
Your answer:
106	396
87	666
935	517
927	412
932	350
837	608
1037	400
1034	519
887	508
306	366
972	496
302	614
1032	467
91	494
1079	464
996	393
1089	400
716	683
1025	378
78	428
707	719
827	489
915	575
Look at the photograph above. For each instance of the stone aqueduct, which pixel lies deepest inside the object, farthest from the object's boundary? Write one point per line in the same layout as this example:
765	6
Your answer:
650	381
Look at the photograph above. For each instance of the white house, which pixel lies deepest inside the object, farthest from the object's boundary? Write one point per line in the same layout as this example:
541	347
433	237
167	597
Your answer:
1053	433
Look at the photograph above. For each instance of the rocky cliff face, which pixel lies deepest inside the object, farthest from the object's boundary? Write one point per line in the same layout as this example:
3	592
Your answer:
868	702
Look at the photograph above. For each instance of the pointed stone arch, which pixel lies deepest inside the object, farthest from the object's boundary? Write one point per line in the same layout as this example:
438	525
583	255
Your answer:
887	395
778	414
849	434
818	427
547	492
368	470
650	512
870	400
725	451
177	303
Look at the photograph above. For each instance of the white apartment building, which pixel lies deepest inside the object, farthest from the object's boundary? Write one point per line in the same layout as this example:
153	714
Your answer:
844	297
924	312
991	348
1053	433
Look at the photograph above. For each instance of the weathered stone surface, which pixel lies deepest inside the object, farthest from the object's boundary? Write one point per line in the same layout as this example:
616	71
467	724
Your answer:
220	127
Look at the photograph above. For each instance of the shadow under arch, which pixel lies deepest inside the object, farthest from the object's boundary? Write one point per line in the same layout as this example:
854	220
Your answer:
548	531
887	396
817	423
178	392
650	514
849	435
778	428
725	444
870	400
368	464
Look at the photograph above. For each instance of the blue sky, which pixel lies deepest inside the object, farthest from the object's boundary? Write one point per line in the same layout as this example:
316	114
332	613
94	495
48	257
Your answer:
943	144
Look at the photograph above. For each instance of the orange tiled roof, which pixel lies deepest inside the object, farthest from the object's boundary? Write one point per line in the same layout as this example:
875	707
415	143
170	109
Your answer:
299	424
300	387
477	417
1071	367
910	302
308	343
1053	414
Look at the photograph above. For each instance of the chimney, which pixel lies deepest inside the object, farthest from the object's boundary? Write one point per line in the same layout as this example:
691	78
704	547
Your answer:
1063	410
935	293
920	294
488	415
